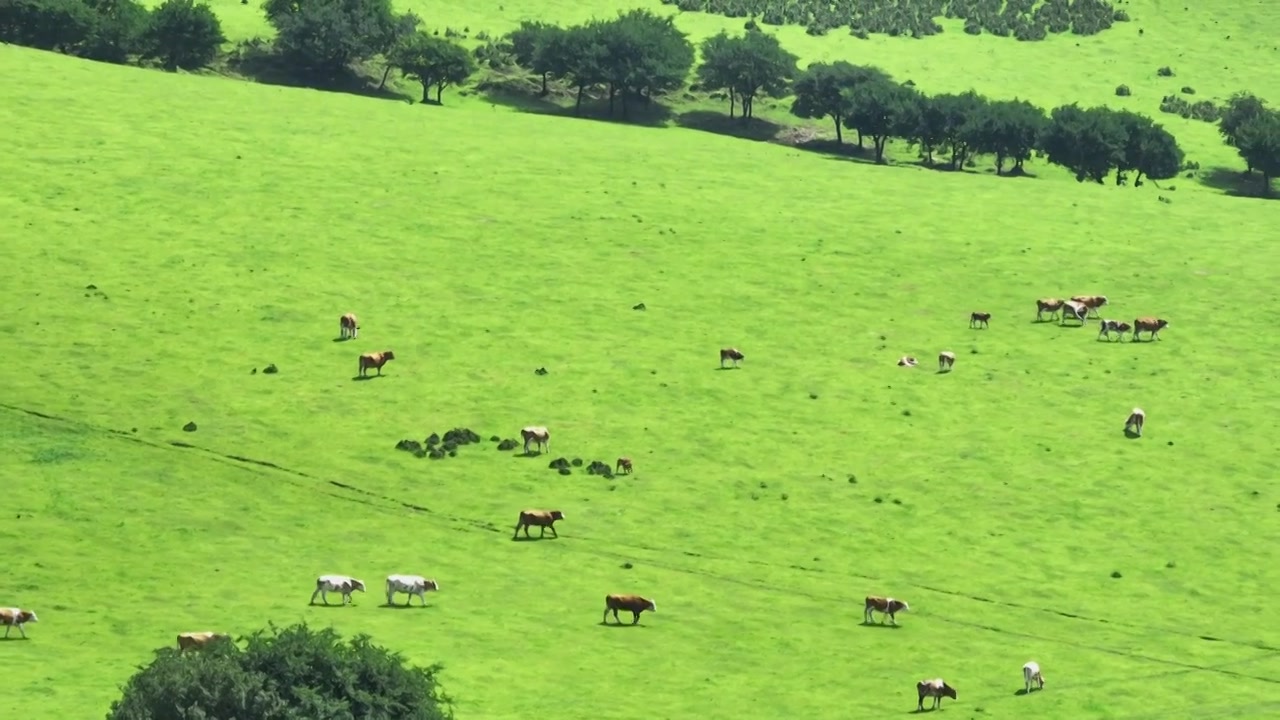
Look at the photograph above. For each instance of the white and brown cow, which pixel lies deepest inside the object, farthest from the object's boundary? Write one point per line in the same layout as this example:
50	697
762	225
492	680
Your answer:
1137	418
536	434
907	361
542	519
946	359
979	319
1031	675
936	689
375	360
1048	305
1075	310
1151	325
624	465
731	354
198	640
344	584
1093	302
410	585
885	606
348	327
1113	326
634	603
16	617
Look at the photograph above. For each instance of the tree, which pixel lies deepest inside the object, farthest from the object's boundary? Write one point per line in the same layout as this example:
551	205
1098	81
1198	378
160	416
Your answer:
820	91
323	37
880	110
1009	130
1090	142
528	46
1239	111
45	24
578	55
644	54
433	61
182	35
117	31
959	115
746	66
1258	141
1149	149
293	673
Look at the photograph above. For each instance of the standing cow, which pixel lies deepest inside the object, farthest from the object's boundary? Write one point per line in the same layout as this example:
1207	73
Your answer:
936	689
732	354
348	326
1031	675
1137	418
536	434
375	360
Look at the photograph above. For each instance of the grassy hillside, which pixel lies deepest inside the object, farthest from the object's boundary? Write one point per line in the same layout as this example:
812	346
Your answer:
225	226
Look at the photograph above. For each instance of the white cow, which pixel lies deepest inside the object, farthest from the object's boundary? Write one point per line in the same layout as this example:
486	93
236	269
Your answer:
1031	674
326	584
410	585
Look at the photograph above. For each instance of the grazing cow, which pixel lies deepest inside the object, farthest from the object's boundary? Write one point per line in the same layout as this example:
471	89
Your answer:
907	361
347	324
730	354
1135	420
16	617
1149	324
538	434
375	360
542	518
885	606
326	584
1031	674
936	689
1093	302
198	640
410	585
1047	305
1114	326
624	465
979	319
946	359
634	603
1076	310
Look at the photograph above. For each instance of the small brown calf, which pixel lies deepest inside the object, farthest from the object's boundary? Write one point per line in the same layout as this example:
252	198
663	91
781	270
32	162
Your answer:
624	465
979	319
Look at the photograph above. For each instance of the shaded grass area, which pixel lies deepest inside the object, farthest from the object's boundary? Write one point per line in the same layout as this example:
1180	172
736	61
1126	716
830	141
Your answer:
999	499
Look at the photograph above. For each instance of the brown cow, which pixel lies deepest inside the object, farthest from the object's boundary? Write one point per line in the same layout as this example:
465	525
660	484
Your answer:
1152	325
198	640
16	617
375	360
634	603
979	319
936	689
1137	418
542	518
1047	305
348	326
885	606
730	354
537	434
1077	310
624	465
1093	302
946	359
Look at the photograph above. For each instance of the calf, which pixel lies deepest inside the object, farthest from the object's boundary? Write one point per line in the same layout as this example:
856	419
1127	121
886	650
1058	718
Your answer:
1076	310
16	617
410	585
198	640
885	606
348	326
1149	324
538	434
634	603
907	361
326	584
979	319
1031	675
730	354
946	359
1135	420
375	360
543	519
1047	305
936	689
624	465
1113	326
1093	302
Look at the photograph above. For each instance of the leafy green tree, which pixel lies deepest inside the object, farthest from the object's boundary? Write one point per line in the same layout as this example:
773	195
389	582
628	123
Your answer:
528	45
1258	141
182	35
1090	143
578	55
60	25
1149	149
1240	109
645	54
324	37
880	110
820	91
117	30
1010	130
433	61
960	115
293	673
746	66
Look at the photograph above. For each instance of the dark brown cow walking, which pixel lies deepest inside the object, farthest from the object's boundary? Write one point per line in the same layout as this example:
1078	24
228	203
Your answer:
624	465
543	519
979	319
634	603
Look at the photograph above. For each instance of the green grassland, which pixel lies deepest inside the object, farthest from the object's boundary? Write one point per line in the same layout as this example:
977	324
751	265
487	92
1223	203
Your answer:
225	225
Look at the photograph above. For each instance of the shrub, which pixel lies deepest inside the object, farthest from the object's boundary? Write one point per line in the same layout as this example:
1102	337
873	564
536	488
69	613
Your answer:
182	35
1123	91
1188	90
1165	71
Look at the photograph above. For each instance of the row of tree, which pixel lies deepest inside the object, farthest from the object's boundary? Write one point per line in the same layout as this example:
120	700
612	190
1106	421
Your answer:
1253	129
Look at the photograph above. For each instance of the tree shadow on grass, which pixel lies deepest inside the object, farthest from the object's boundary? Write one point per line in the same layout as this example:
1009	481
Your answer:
846	151
720	123
1235	183
256	60
651	114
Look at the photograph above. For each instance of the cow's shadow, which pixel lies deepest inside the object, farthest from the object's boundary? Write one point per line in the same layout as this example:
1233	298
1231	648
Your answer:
530	454
342	339
608	624
402	606
13	639
729	367
1023	691
361	378
533	538
882	626
333	606
1131	434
